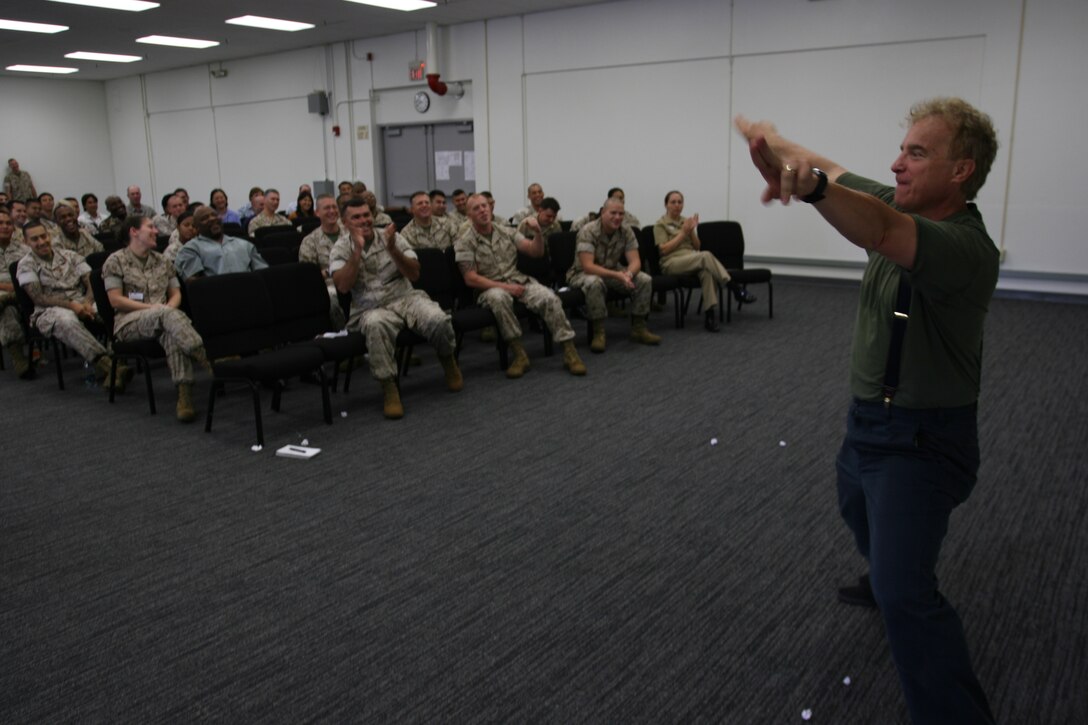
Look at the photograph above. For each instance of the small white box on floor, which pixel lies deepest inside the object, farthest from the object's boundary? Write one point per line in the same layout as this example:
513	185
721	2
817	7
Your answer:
304	452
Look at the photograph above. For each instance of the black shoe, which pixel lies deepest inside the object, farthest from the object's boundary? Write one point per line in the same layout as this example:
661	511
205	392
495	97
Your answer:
711	321
860	595
743	296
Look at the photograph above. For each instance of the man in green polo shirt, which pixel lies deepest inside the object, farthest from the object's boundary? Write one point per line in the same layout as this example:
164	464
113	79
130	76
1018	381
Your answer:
911	449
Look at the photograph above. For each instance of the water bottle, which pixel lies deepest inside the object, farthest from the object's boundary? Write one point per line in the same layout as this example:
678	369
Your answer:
88	375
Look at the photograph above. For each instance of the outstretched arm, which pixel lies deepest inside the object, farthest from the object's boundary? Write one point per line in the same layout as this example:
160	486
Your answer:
864	220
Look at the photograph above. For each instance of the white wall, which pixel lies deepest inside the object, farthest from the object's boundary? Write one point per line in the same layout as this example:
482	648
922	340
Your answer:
57	129
639	93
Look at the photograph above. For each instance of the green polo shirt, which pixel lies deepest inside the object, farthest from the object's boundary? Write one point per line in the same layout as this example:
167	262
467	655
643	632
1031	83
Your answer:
953	279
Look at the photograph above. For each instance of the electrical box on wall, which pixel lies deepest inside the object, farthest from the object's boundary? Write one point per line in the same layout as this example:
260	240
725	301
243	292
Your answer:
318	102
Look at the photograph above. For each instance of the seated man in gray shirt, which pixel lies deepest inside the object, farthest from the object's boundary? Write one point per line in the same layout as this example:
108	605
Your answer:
212	252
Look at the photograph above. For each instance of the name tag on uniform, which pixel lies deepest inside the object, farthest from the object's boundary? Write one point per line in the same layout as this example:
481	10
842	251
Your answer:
136	296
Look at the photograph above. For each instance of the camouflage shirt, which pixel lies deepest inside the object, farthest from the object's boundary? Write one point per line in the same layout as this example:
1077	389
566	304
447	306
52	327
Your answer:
61	276
147	280
439	235
86	244
608	249
379	281
495	256
263	220
317	245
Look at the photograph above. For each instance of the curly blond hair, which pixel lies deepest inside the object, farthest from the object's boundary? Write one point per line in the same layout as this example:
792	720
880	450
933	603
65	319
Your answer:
973	135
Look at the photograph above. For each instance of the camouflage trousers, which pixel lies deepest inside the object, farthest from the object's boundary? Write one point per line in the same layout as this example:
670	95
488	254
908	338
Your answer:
538	299
11	332
174	332
705	265
65	325
414	311
596	290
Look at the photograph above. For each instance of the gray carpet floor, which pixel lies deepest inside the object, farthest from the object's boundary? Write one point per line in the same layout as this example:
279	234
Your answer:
551	549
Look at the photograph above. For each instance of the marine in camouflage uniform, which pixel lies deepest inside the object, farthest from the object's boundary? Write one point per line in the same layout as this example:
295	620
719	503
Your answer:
11	331
72	236
317	246
376	269
427	231
487	255
58	280
598	269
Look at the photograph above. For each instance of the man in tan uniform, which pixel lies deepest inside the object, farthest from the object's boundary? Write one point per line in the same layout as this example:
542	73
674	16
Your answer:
17	183
11	331
145	294
598	269
74	237
487	255
378	272
58	281
426	230
269	216
317	246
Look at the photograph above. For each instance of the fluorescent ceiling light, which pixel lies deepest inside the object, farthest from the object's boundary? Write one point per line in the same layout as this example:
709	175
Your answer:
134	6
107	57
405	5
42	69
177	42
31	27
256	21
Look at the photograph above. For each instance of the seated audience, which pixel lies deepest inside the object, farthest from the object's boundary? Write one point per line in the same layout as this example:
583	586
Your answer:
269	217
173	205
629	219
425	229
185	232
11	330
218	201
304	208
117	214
253	208
90	218
317	245
72	236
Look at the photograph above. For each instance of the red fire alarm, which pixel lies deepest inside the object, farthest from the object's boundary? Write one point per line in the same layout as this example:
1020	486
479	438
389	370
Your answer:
336	131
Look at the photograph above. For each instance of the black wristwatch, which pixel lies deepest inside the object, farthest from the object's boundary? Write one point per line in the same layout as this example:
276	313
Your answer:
821	185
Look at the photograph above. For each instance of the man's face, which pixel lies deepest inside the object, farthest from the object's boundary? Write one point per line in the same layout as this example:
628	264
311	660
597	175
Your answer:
359	219
208	225
3	197
344	187
91	207
923	171
546	217
175	205
611	216
135	196
438	205
47	204
66	220
459	202
479	211
257	202
184	198
536	194
7	227
421	209
18	213
271	202
116	208
13	165
37	237
33	209
328	213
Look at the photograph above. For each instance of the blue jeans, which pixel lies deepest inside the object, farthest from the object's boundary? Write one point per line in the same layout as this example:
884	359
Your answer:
900	474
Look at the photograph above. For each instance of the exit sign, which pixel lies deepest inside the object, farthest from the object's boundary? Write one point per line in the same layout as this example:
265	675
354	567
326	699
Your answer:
417	69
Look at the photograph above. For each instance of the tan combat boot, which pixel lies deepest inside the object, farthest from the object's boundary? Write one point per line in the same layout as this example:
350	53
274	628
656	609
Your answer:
200	357
19	359
640	334
571	361
454	381
185	411
391	407
520	364
597	343
102	372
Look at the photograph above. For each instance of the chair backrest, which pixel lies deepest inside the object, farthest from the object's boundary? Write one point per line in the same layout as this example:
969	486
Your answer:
464	296
539	268
307	225
234	229
95	260
276	256
26	305
725	240
162	241
561	246
565	225
436	277
102	300
276	237
233	313
300	299
648	251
